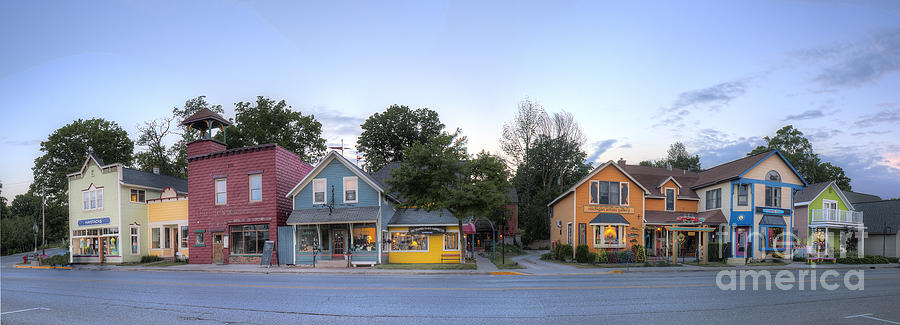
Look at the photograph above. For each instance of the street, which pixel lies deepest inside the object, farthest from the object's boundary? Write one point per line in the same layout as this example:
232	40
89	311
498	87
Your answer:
120	297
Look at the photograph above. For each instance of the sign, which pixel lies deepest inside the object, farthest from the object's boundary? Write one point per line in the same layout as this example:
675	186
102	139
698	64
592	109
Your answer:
94	221
427	230
267	253
690	220
773	211
607	209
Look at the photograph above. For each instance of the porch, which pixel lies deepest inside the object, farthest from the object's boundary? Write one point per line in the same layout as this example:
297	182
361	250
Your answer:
335	237
835	216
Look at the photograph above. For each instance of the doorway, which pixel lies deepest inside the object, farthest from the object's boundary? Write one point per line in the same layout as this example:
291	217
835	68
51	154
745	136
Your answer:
741	241
175	237
218	248
337	245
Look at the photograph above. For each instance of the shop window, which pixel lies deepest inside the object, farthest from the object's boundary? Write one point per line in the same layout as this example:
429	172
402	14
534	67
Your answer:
308	238
608	236
92	198
569	233
135	240
221	191
364	237
714	199
111	246
319	195
606	192
582	234
184	236
249	239
154	238
773	196
670	199
168	236
138	196
350	188
404	241
743	190
256	187
775	238
451	241
199	239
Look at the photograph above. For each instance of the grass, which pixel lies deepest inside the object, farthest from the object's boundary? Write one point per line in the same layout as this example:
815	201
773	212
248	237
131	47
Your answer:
425	266
165	263
711	264
614	265
767	264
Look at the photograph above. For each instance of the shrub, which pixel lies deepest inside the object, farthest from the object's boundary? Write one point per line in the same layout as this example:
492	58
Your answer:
622	257
547	256
564	253
56	260
581	254
662	263
799	259
150	258
603	257
592	258
640	254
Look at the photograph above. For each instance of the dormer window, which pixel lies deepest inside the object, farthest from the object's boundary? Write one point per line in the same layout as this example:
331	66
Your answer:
670	199
773	176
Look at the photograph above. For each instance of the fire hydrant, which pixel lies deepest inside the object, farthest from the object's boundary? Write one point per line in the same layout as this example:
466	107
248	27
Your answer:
24	259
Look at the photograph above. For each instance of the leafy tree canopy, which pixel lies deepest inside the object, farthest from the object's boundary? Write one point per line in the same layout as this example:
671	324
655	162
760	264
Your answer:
267	121
386	134
799	152
677	157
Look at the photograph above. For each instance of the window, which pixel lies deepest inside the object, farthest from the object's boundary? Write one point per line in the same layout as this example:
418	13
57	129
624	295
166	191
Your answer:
404	241
569	233
184	236
256	187
582	234
451	241
154	238
319	196
773	196
138	196
168	236
773	176
221	191
775	238
670	199
714	199
608	236
350	187
608	192
249	239
307	239
92	198
364	237
135	240
199	239
743	190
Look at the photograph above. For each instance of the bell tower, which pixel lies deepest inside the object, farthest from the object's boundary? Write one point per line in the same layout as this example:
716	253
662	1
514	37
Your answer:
202	125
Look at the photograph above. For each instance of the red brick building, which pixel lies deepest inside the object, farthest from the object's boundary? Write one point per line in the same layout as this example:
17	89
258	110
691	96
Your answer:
237	195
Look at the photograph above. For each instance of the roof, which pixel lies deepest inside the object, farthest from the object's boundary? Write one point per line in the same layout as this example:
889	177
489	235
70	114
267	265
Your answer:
711	217
97	159
383	175
809	193
880	215
336	215
594	172
656	176
234	151
204	114
730	170
421	217
609	219
773	221
856	197
331	156
141	178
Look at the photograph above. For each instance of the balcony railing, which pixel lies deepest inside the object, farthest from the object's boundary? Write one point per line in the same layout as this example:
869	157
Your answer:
837	216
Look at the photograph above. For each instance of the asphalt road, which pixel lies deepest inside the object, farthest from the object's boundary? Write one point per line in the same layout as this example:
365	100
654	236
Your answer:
123	297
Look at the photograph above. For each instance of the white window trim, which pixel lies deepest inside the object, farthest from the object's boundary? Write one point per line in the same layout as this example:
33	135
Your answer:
87	192
181	232
570	233
216	190
391	249
674	198
138	235
836	206
356	180
324	182
161	238
250	187
618	190
139	192
620	230
738	196
444	240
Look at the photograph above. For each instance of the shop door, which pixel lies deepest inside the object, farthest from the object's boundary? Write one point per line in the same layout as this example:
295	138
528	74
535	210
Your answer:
337	244
175	241
741	236
218	248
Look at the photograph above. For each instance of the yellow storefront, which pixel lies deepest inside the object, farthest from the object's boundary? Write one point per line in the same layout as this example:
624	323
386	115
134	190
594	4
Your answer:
168	225
417	236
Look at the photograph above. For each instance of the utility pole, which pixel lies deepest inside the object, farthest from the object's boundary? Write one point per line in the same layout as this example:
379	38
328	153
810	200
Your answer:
43	223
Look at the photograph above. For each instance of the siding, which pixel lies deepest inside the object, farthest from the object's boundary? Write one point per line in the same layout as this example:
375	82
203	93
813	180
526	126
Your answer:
433	255
774	162
334	174
562	214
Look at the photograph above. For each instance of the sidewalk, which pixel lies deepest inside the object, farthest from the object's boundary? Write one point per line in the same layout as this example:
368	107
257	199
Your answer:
246	268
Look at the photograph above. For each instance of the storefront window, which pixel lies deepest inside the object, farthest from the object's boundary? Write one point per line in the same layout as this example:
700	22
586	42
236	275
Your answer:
404	241
775	238
308	238
249	239
87	242
607	236
134	240
364	237
184	236
451	241
154	238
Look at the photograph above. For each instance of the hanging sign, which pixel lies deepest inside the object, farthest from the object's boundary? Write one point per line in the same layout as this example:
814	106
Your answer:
607	209
426	230
94	221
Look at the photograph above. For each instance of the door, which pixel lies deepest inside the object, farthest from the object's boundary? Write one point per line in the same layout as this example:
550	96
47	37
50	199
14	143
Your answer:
218	248
337	243
741	234
175	241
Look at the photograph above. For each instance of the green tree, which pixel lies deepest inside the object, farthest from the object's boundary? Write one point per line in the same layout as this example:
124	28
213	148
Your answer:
4	208
267	121
153	136
677	157
386	134
799	152
178	151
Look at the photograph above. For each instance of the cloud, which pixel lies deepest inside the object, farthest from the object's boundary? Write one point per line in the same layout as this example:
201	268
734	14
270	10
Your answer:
338	124
873	174
715	96
890	116
625	146
807	115
26	143
822	134
716	147
855	64
873	132
599	148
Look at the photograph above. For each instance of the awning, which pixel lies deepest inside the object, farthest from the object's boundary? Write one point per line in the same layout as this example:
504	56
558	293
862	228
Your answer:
469	228
773	221
336	215
609	219
708	218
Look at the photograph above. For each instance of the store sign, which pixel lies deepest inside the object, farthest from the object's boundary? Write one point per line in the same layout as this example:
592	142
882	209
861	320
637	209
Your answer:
690	220
427	230
773	211
607	209
94	221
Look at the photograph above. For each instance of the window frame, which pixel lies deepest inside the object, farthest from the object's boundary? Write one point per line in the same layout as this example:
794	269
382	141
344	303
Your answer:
92	198
716	202
168	238
216	181
773	196
355	189
582	233
777	175
596	199
324	182
771	244
745	195
456	242
138	196
183	238
157	231
427	243
251	189
598	228
257	248
135	237
674	198
570	232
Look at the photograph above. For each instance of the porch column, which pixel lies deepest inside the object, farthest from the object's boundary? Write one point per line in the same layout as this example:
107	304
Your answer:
674	247
861	248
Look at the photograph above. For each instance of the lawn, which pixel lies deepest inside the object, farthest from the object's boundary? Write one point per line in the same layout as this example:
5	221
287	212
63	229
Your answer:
711	264
425	266
615	265
510	264
165	263
767	263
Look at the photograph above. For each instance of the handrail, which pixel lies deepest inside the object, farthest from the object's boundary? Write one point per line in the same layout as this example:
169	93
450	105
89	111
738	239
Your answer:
836	215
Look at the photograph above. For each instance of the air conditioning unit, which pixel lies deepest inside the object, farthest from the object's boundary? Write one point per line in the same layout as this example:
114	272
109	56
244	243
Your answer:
558	223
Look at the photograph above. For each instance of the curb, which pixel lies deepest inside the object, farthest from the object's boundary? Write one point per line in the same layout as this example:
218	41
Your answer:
301	273
43	267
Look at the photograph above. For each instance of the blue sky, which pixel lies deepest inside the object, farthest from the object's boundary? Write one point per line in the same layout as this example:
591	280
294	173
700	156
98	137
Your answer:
637	76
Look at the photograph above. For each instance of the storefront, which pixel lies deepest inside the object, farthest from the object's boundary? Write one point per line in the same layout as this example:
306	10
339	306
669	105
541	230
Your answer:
357	242
661	240
418	236
168	222
93	244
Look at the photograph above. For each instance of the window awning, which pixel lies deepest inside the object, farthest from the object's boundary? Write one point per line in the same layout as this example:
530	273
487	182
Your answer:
609	219
773	221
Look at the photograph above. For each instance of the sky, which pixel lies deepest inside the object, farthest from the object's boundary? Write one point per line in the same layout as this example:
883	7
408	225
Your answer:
718	76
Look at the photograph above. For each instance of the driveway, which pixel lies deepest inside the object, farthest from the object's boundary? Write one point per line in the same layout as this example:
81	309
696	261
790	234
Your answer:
533	264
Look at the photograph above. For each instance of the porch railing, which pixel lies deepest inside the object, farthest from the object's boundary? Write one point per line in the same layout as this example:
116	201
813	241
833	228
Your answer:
837	216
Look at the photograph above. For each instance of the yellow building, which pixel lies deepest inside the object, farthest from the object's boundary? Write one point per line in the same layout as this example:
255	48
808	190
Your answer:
168	224
418	236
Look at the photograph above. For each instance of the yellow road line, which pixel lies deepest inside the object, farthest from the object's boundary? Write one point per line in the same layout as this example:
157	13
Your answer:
41	267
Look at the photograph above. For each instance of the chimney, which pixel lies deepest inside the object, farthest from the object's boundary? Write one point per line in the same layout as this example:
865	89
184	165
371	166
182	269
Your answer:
621	162
204	146
156	170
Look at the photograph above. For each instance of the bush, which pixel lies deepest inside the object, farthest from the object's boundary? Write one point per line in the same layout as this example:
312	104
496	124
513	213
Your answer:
799	259
868	259
581	254
717	251
547	256
603	257
150	258
593	257
564	252
640	254
56	260
622	257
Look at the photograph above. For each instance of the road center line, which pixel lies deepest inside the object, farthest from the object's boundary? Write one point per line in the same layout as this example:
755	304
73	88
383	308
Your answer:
869	316
21	310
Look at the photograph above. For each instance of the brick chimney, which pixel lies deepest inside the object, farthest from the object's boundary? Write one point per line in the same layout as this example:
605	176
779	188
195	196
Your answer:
156	170
204	146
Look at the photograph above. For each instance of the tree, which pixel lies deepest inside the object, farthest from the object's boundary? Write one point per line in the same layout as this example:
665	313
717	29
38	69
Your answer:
179	150
799	152
677	157
153	135
519	133
267	121
4	209
439	175
386	134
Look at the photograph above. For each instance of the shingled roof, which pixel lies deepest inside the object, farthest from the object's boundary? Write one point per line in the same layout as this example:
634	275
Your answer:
730	170
203	114
141	178
810	192
856	197
880	215
652	177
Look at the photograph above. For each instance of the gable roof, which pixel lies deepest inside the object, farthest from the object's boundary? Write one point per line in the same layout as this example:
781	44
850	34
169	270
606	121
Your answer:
410	217
879	215
594	172
155	181
856	197
332	156
809	193
383	175
203	114
736	169
656	175
97	160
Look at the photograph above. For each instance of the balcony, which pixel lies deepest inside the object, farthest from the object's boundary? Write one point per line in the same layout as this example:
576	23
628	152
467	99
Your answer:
837	216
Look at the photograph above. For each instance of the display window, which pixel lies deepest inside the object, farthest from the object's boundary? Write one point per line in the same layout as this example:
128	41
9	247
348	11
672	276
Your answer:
404	241
364	237
308	239
90	242
608	235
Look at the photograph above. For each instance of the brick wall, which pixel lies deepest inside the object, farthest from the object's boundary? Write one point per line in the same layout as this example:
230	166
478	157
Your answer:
204	146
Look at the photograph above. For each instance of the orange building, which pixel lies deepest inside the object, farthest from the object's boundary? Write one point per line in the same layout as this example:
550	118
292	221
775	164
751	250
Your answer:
603	211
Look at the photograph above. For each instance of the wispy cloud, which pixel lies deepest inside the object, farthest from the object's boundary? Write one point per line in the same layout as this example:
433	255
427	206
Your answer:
714	97
338	124
889	116
823	134
807	115
855	64
716	147
32	142
600	147
625	146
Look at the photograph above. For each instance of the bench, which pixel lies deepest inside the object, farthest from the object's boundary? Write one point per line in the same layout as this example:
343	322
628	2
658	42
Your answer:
449	258
820	259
